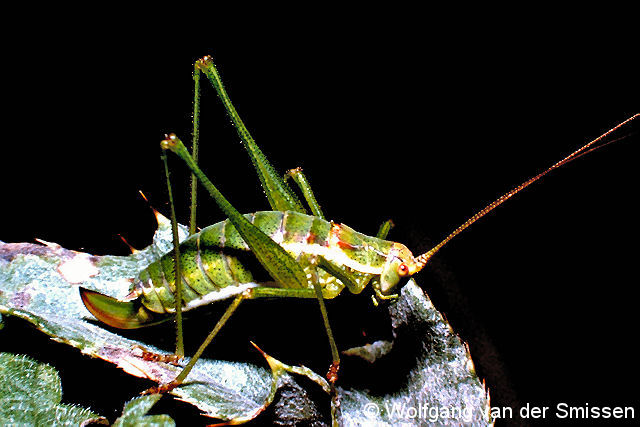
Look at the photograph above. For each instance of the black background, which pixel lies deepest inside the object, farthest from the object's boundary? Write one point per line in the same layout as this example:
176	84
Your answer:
423	128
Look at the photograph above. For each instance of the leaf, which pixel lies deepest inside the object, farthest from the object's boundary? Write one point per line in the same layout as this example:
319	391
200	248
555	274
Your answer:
30	393
440	388
433	364
39	283
135	413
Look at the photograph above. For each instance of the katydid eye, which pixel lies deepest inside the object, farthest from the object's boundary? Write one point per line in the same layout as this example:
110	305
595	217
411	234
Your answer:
403	270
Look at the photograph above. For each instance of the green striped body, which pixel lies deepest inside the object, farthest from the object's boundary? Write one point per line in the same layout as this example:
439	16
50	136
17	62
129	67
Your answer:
212	269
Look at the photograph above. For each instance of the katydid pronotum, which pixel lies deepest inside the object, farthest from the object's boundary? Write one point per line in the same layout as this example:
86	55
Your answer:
307	256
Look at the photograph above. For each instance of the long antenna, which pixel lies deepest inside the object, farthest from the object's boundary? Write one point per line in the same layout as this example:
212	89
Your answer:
422	260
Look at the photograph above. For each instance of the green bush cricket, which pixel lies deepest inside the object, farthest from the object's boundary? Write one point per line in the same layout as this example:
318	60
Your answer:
303	254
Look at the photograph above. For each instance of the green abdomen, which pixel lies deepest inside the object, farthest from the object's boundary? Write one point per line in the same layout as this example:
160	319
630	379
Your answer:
214	262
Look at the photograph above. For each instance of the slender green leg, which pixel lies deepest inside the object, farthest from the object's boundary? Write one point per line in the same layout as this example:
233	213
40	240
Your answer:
351	282
280	196
178	270
305	187
194	148
267	292
332	375
183	374
383	232
300	179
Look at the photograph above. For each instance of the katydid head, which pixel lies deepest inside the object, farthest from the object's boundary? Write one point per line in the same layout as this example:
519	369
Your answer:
400	263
